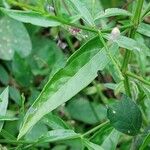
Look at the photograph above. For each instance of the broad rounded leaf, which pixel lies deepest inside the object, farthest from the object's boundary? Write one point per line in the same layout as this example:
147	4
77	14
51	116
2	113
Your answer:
13	37
125	116
80	70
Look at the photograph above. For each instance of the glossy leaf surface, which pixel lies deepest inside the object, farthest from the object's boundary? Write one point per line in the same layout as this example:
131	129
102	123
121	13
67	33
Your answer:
79	71
125	116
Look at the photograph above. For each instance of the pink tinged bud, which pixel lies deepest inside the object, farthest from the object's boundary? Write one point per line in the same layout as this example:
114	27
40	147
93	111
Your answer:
74	31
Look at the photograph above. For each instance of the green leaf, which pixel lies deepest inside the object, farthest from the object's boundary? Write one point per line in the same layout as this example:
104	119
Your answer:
46	57
80	70
55	122
145	142
15	95
97	112
32	17
13	37
112	12
125	116
144	29
107	137
21	71
127	43
4	77
92	146
59	135
100	136
83	11
111	141
37	131
3	105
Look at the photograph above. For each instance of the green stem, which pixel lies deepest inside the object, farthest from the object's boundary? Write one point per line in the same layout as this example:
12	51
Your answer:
137	15
141	79
56	7
136	21
22	5
95	129
72	49
110	56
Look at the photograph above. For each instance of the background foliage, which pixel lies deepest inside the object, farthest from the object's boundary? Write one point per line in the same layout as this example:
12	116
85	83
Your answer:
74	74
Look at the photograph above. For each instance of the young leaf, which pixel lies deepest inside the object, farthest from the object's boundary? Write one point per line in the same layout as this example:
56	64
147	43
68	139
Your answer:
100	136
111	140
79	71
3	105
32	17
92	146
127	43
144	29
112	12
55	122
125	116
59	135
83	11
13	37
145	142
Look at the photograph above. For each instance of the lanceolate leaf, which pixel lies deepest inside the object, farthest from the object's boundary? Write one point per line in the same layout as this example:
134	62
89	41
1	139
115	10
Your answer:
84	12
59	135
79	71
144	29
54	122
113	12
32	17
125	116
3	105
128	43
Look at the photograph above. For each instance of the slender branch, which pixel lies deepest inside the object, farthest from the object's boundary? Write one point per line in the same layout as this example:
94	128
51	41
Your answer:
22	5
95	129
72	49
110	56
136	21
139	78
63	21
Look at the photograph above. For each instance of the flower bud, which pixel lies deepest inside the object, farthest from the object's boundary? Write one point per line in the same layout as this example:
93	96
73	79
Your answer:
115	33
